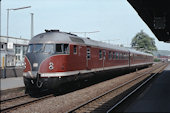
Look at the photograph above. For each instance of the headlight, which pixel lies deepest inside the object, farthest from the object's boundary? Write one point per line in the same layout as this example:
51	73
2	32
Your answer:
24	65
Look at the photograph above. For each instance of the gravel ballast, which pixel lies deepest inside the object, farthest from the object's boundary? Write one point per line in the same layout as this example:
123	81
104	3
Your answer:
65	102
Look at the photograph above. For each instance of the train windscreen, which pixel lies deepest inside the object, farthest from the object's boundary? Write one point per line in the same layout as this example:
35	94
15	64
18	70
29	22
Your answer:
49	48
35	48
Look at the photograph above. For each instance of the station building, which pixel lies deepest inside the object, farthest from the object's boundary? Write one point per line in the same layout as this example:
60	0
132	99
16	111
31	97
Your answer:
12	51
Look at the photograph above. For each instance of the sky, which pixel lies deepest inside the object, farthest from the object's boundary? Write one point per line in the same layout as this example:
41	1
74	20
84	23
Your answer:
116	20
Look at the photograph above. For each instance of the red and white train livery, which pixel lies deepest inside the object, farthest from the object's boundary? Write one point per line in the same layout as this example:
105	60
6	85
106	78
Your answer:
55	57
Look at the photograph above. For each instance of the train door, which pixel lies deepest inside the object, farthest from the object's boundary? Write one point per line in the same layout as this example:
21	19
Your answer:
129	60
88	58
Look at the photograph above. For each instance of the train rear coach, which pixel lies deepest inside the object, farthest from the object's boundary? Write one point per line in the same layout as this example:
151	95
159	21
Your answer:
54	58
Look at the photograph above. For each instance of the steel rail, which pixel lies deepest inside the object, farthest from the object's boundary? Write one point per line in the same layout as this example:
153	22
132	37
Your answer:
92	100
9	99
25	103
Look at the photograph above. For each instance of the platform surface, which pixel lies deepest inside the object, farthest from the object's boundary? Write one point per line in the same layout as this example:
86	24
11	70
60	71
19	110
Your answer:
10	83
156	97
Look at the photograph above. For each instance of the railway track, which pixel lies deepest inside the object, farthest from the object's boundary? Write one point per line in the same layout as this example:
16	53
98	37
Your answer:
108	101
20	101
13	98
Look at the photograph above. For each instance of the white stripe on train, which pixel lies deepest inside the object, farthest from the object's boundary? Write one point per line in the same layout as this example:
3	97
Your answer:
62	74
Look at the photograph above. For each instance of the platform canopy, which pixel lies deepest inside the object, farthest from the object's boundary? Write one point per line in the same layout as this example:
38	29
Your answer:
156	14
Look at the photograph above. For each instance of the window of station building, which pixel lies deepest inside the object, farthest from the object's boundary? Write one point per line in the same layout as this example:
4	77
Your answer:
49	48
75	49
17	49
24	50
110	55
100	54
2	46
88	53
18	58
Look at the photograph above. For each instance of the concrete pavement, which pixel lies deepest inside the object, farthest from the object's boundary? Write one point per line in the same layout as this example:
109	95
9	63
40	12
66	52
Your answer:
156	97
9	83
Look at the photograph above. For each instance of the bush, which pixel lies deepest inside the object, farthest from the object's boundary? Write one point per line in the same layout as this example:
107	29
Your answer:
157	60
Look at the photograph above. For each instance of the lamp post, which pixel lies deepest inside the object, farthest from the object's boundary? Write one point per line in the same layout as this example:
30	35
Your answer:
4	70
0	17
32	25
14	9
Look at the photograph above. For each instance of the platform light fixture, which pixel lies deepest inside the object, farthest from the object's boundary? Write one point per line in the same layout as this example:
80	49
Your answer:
14	9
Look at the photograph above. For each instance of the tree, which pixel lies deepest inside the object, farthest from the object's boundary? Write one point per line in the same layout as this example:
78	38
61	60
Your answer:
143	41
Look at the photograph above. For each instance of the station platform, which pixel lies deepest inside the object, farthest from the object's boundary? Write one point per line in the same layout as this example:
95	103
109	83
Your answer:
10	83
155	98
10	72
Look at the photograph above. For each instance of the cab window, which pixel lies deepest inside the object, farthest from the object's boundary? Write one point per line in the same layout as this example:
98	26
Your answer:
35	48
30	48
66	48
38	48
62	48
58	48
49	48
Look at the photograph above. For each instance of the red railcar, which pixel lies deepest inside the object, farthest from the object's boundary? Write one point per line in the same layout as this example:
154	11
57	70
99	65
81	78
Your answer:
55	57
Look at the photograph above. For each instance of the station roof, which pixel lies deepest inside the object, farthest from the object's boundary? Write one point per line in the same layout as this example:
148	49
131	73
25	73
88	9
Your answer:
156	14
14	40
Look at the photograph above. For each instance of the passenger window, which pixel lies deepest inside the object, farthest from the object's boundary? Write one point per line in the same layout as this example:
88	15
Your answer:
117	55
120	55
75	49
49	48
104	54
110	55
100	54
113	55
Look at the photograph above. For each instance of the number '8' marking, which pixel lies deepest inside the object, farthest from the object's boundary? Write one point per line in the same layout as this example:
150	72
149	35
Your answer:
51	66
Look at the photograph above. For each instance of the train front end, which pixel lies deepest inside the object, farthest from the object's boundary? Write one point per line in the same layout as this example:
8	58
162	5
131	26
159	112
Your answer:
42	61
37	54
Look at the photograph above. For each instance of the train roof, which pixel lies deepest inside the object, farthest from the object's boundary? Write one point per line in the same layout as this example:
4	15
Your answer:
55	36
139	52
